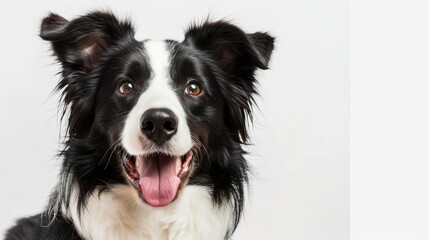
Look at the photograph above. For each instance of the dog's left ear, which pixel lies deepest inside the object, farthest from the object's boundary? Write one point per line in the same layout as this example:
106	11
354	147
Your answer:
237	54
232	49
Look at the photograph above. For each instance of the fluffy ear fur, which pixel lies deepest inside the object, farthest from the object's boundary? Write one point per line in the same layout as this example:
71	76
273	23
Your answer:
237	55
80	45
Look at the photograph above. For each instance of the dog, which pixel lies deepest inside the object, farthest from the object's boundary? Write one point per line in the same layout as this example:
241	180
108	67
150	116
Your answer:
153	146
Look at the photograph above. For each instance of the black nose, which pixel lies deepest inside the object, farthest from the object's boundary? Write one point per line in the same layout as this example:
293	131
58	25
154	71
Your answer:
159	124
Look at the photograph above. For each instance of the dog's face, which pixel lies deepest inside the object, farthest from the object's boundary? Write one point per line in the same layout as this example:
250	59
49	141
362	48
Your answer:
161	104
160	108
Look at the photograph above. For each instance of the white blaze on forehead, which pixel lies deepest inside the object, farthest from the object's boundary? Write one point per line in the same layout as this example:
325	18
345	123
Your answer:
159	94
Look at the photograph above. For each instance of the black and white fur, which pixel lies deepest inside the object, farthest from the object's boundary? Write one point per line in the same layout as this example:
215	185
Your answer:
94	198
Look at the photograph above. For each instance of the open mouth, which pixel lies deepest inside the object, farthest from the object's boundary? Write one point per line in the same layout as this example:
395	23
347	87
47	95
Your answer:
158	176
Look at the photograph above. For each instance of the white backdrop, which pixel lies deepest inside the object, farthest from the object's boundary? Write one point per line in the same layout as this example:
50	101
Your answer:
300	186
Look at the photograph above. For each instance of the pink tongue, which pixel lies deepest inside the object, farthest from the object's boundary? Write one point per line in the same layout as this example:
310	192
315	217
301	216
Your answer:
158	180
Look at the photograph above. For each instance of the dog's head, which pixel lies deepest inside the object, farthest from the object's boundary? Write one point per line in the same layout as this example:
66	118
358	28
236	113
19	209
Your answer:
157	109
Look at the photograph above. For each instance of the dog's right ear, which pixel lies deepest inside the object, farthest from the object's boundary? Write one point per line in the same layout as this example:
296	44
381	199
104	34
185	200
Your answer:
80	44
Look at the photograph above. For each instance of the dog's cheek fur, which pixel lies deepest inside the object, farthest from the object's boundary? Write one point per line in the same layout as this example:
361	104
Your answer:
233	57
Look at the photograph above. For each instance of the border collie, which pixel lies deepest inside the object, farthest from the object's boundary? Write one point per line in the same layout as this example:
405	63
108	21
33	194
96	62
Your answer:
155	131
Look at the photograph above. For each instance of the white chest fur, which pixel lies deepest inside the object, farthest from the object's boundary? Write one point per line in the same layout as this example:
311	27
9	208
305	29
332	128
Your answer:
119	214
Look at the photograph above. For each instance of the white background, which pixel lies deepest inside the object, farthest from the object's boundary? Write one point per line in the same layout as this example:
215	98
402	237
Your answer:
300	185
389	185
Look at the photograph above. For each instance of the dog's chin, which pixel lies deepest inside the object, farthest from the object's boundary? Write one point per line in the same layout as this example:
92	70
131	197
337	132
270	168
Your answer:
157	176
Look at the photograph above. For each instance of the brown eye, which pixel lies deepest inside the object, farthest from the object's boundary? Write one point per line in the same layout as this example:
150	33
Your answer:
126	88
193	89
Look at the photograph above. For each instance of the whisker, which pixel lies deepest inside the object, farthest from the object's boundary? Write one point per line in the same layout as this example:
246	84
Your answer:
108	160
114	145
199	146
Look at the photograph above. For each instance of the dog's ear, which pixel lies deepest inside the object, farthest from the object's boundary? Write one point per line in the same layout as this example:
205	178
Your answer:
232	49
81	43
79	46
237	55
